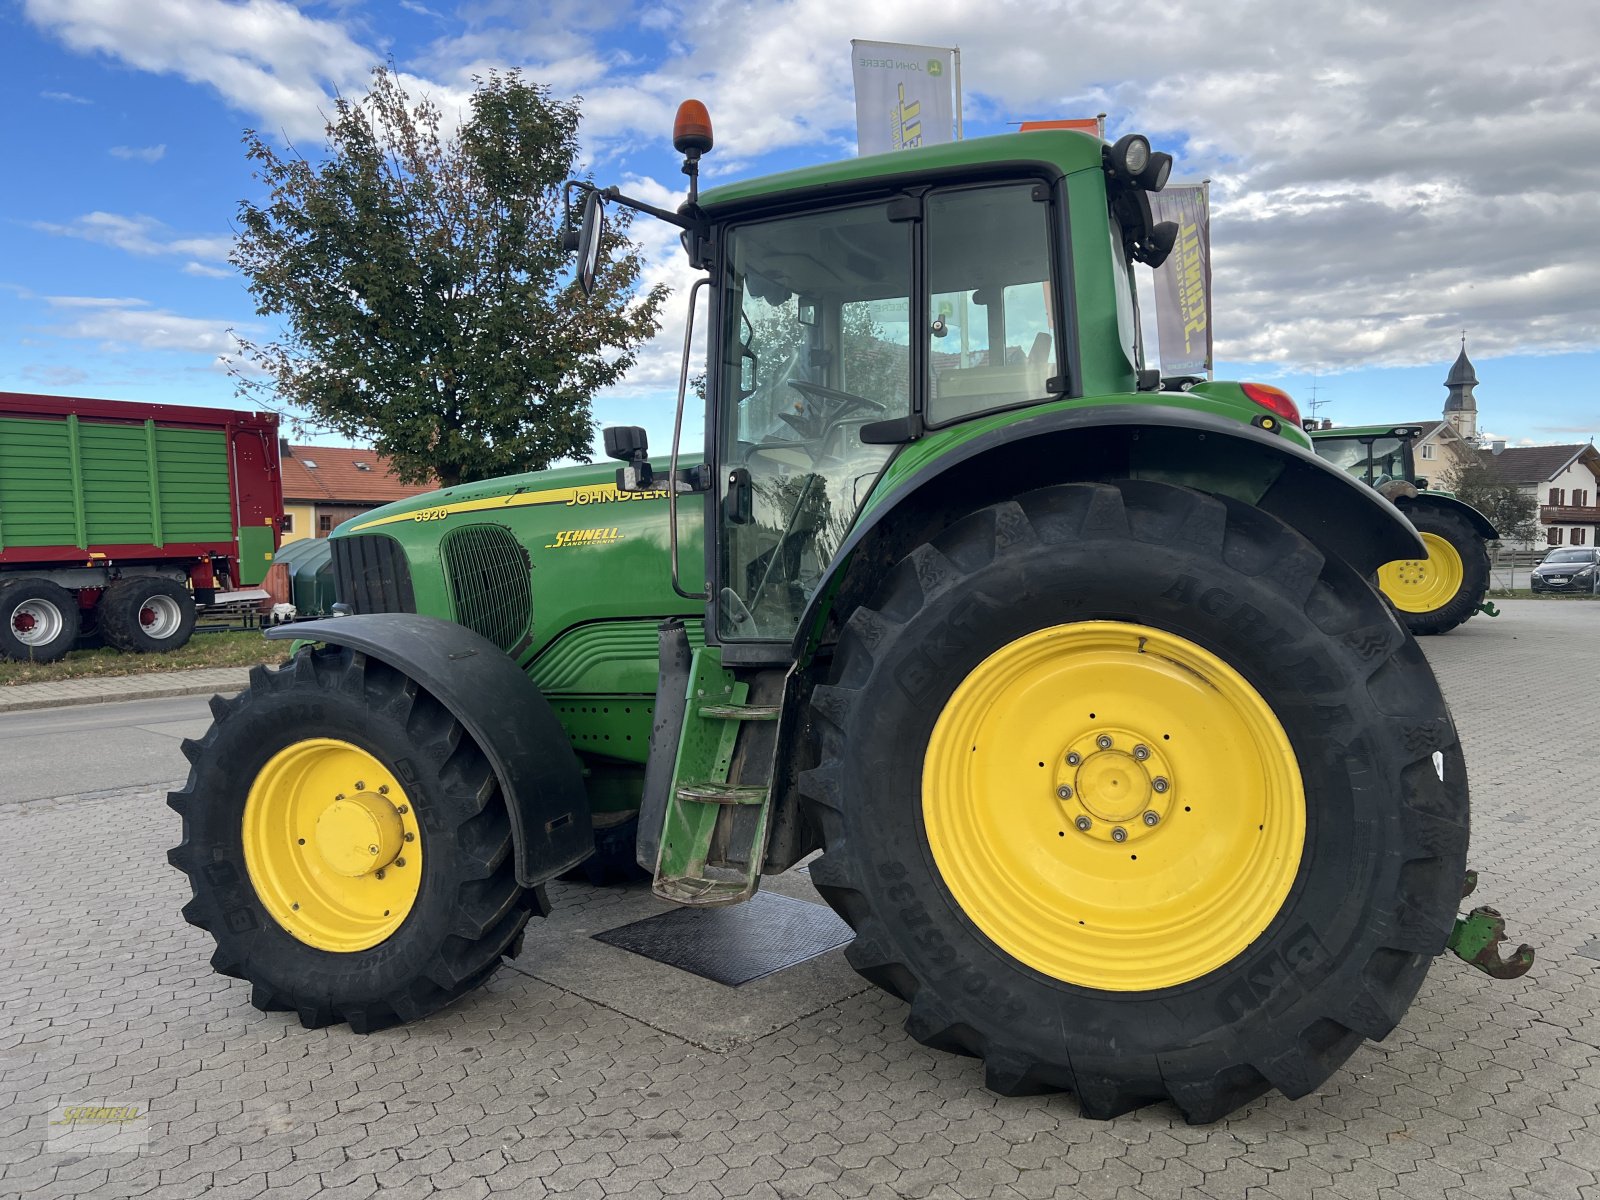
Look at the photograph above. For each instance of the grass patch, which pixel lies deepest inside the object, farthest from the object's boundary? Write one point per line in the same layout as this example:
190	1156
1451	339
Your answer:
1528	594
232	649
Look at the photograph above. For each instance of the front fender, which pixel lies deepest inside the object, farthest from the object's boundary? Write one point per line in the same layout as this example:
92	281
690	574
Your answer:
506	715
1481	524
1099	443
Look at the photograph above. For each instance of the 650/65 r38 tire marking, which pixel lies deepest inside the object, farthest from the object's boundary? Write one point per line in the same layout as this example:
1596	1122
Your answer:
298	780
1320	709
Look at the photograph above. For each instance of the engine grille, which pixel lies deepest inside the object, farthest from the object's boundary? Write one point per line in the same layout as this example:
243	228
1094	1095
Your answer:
371	575
487	570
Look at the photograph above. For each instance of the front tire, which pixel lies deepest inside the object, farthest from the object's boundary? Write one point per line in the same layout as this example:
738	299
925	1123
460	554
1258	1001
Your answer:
39	620
1435	594
1313	811
347	845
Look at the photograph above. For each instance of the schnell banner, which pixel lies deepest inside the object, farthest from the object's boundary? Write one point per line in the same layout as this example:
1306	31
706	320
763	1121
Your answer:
903	95
1183	283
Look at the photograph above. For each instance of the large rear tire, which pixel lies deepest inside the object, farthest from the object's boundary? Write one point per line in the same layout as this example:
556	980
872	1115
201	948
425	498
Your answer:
146	614
1437	593
1131	792
347	845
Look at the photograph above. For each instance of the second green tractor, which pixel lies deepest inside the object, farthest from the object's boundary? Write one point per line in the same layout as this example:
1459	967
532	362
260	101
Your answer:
1070	689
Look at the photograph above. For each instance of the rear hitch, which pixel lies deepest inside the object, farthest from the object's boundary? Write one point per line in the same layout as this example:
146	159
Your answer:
1478	936
1488	609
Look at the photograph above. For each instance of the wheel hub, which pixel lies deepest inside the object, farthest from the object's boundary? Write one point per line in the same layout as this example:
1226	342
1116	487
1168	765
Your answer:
1117	779
332	845
1421	585
360	835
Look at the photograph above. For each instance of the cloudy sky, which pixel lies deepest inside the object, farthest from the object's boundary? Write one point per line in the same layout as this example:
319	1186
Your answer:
1383	175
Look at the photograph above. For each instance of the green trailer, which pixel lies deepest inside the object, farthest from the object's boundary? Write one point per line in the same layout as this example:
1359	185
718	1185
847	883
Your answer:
1445	587
120	519
1127	780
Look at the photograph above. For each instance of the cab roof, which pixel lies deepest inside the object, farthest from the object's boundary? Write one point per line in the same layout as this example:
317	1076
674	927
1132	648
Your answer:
1061	150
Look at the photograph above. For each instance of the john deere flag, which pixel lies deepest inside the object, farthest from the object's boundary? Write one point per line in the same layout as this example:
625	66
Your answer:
1183	283
903	96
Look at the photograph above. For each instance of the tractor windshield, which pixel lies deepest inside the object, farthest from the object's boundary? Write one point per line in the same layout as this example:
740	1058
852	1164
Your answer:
824	335
1374	460
817	344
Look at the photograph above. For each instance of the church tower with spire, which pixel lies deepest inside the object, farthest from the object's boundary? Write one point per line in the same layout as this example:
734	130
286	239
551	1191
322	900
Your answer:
1461	407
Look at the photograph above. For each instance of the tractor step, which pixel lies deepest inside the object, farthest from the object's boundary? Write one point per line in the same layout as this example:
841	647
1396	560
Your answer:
740	712
704	808
720	793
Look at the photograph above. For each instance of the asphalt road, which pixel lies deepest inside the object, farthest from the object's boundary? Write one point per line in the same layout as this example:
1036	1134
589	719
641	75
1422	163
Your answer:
97	747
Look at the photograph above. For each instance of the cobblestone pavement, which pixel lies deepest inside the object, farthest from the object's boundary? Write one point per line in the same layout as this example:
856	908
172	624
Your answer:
557	1078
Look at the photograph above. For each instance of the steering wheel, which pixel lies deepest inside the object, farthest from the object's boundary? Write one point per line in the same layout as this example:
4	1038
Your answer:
827	406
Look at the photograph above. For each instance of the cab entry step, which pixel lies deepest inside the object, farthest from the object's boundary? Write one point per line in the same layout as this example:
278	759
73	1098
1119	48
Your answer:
736	944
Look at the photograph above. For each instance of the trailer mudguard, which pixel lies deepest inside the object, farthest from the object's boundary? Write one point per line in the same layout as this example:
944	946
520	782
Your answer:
1481	525
506	715
1150	440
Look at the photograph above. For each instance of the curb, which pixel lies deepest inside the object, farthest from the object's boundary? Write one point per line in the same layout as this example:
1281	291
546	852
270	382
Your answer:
151	691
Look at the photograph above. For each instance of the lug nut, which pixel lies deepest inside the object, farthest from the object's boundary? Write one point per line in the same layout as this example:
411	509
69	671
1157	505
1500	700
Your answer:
380	874
1152	818
383	789
360	787
1119	834
399	862
1064	792
411	837
403	809
1083	824
1141	752
1159	784
1074	758
1103	741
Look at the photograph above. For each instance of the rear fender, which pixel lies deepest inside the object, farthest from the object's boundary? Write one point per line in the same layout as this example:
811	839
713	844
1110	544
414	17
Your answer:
1169	444
506	715
1480	523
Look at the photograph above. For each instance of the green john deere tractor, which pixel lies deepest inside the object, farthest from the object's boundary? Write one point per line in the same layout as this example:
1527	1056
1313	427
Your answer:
1127	780
1436	593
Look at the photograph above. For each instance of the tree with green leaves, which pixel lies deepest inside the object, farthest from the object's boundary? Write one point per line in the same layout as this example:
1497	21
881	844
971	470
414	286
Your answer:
1512	511
428	304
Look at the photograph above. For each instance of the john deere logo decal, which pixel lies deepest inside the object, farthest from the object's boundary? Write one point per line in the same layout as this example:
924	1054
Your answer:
935	67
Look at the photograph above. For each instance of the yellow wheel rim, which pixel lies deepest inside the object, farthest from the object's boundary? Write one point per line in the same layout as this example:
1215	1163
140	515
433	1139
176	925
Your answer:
332	845
1113	805
1420	585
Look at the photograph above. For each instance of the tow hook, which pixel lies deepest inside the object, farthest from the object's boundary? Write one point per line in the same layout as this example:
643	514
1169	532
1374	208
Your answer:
1488	609
1478	936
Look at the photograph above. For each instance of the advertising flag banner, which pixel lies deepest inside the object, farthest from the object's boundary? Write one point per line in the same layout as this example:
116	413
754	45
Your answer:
903	95
1183	282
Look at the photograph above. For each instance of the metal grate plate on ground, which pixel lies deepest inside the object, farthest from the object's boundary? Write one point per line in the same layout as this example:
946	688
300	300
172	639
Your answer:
738	943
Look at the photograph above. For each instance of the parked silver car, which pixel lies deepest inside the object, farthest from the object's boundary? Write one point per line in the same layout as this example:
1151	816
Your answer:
1569	569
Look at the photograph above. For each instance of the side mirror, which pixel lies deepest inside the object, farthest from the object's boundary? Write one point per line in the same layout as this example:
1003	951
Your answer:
747	372
629	444
593	225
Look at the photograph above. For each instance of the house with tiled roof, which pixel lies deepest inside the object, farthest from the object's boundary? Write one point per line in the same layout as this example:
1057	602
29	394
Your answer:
324	486
1565	483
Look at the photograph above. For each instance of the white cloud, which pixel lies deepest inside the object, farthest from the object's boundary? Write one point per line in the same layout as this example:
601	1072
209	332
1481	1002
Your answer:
139	235
117	322
196	268
64	98
147	154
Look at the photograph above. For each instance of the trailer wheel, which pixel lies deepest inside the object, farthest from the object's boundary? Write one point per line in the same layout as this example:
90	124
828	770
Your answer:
1131	792
146	614
38	620
1437	593
347	845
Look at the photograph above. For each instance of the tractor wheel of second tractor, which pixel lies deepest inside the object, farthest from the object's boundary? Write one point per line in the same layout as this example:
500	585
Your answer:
1437	593
348	845
1130	791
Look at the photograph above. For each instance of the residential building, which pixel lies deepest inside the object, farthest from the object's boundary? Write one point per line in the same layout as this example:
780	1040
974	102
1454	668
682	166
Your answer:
1565	482
324	486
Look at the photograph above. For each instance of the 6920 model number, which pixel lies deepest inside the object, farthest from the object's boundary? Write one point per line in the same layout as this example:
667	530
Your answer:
430	514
